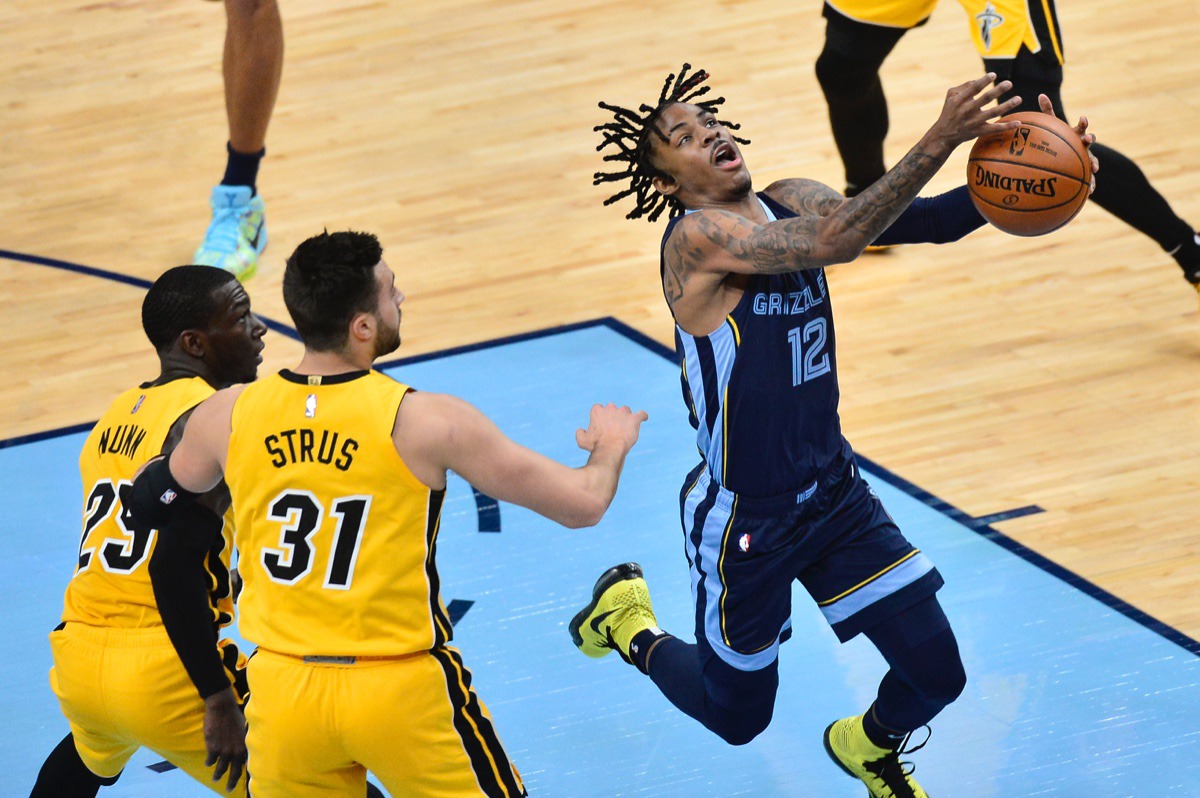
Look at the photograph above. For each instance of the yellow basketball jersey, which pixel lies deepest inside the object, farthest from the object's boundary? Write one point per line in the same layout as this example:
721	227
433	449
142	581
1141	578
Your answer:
111	586
336	535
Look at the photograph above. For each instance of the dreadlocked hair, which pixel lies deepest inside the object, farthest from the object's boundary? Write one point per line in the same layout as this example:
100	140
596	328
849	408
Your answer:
629	133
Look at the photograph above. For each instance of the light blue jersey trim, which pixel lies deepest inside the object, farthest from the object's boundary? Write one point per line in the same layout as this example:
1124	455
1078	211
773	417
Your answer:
705	563
711	441
897	578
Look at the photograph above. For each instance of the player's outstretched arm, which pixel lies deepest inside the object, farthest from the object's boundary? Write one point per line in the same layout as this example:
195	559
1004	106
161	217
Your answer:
435	433
830	230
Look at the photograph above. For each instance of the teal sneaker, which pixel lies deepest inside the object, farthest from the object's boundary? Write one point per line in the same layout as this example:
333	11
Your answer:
237	234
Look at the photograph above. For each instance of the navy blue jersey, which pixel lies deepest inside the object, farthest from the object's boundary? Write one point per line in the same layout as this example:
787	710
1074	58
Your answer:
762	388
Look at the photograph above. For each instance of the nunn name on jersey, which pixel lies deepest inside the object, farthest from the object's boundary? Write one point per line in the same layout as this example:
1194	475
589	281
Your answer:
123	439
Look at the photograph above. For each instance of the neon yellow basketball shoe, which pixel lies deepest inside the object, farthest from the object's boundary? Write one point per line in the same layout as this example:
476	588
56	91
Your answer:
879	768
619	609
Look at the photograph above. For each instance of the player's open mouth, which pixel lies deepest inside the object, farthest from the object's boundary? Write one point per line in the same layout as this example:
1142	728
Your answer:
725	156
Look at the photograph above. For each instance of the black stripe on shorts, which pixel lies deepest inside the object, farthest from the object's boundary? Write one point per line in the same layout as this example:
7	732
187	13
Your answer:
489	762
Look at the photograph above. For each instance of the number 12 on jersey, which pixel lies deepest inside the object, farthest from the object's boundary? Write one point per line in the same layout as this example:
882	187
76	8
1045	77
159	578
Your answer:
809	358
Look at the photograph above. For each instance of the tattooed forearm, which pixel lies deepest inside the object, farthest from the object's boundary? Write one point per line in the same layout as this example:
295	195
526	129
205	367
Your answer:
874	210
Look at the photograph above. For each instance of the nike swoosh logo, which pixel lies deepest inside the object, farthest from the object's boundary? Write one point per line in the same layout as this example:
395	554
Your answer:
599	619
257	235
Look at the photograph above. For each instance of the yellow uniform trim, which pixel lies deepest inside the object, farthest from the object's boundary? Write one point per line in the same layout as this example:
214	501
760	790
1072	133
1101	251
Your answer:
1050	27
871	579
737	334
721	569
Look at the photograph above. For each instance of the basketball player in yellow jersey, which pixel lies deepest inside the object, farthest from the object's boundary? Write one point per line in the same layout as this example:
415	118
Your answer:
337	475
117	676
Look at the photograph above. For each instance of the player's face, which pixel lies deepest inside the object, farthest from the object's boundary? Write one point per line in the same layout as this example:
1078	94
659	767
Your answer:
387	313
700	156
234	337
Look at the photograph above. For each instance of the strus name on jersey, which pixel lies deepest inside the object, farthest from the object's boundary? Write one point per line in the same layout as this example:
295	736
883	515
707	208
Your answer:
790	303
123	439
305	445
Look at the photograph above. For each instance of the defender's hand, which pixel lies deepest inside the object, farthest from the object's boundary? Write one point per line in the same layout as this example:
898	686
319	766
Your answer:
225	737
1081	128
611	423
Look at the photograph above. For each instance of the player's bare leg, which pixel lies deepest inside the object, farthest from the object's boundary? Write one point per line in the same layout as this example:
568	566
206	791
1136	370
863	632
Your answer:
253	66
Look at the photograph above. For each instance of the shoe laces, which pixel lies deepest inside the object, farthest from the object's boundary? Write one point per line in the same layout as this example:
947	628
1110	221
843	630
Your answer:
224	230
894	772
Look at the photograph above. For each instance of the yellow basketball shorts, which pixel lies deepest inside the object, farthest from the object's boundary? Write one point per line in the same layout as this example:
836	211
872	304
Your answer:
998	27
317	727
122	689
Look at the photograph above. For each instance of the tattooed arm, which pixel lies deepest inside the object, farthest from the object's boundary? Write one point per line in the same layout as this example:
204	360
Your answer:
829	229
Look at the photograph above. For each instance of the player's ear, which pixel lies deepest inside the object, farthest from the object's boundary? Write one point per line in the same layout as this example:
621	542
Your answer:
362	327
193	343
665	185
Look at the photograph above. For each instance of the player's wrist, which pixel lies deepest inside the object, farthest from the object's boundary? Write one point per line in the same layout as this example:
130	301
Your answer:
223	699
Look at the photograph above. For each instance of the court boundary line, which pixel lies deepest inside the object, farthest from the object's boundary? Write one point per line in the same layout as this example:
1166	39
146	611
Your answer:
980	526
124	279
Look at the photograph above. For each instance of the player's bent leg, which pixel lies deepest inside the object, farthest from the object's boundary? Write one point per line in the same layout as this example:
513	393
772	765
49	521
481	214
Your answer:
735	705
421	729
85	673
63	775
926	675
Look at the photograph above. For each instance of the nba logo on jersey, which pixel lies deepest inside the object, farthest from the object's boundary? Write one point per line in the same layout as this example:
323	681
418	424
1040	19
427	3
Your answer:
138	404
310	406
168	497
744	542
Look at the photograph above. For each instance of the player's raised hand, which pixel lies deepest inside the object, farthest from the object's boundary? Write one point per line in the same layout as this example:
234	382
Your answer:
968	111
611	424
1081	127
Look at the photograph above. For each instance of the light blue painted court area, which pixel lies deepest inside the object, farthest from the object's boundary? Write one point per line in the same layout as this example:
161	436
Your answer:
1066	696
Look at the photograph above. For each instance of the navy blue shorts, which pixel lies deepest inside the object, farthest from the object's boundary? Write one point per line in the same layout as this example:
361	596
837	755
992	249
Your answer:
834	537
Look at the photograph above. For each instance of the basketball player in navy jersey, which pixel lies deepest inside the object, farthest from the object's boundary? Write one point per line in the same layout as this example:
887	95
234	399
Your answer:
777	496
1018	41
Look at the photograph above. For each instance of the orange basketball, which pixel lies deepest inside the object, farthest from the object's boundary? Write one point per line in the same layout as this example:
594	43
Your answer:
1031	180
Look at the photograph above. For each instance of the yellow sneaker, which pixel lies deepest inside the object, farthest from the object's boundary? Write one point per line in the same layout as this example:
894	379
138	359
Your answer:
879	768
619	609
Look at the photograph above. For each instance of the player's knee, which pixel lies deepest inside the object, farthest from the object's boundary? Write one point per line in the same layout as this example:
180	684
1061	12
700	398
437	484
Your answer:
951	683
740	725
943	679
741	733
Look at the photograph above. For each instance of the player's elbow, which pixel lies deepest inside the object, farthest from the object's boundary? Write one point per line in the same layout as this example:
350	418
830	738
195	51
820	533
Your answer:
585	512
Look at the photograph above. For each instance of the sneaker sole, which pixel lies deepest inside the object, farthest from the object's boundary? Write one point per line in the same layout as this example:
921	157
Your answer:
832	755
619	573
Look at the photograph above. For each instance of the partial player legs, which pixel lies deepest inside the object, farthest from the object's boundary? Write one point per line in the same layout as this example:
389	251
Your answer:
415	722
848	71
735	705
253	65
926	675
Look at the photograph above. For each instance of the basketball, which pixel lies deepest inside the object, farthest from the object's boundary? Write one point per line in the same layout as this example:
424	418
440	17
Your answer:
1032	180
